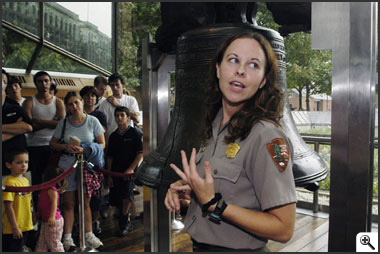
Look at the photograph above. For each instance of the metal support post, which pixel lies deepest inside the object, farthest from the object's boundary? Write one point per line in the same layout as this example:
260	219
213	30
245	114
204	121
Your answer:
316	192
349	30
156	93
315	201
82	243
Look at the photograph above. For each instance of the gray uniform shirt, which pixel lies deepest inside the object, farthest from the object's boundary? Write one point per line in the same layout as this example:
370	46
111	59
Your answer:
251	180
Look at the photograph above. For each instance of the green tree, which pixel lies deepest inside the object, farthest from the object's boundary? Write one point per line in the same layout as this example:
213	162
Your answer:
136	19
264	17
298	67
306	69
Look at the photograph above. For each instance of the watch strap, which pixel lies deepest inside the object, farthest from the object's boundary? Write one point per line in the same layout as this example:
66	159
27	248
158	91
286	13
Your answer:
216	215
214	200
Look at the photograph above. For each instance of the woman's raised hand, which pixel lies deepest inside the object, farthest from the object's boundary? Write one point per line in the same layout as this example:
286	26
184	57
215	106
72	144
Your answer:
172	199
202	187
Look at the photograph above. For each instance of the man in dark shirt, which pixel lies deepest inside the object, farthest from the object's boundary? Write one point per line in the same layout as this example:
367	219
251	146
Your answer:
15	123
124	153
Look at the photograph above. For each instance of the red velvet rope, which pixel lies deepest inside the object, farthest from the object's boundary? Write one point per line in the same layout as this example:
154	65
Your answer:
41	186
57	179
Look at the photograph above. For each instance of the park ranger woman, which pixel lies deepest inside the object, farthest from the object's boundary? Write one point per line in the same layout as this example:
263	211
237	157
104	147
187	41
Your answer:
240	182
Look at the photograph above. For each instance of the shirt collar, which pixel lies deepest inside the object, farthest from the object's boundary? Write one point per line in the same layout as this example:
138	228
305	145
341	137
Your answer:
216	124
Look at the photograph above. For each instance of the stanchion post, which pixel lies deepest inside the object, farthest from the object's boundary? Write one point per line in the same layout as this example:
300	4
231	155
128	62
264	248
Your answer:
82	243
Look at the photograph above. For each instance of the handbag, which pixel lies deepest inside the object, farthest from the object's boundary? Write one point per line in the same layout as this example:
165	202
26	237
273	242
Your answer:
56	155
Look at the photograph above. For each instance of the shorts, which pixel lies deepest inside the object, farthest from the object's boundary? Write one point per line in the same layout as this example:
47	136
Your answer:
122	189
65	162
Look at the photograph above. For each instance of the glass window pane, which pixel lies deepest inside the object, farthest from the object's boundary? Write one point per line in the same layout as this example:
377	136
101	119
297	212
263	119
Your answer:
17	50
23	14
81	28
49	60
135	20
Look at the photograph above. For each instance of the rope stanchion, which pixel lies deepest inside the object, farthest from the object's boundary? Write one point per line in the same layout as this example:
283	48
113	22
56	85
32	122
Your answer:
41	186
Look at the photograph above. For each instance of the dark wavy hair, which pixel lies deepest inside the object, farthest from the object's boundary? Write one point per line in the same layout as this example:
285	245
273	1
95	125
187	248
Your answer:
90	90
39	74
114	77
265	104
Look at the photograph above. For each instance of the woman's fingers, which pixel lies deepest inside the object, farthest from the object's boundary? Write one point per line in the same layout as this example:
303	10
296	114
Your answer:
167	203
172	201
175	198
207	170
193	164
178	171
185	164
185	187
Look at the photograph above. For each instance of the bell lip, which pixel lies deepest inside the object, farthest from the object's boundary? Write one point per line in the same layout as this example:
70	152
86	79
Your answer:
223	26
306	180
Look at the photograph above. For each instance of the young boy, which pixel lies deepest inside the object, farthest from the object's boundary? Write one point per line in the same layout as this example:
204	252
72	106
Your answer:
17	214
123	156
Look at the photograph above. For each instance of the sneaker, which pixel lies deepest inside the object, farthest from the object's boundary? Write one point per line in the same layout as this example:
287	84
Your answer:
103	211
93	241
96	227
128	228
26	249
68	244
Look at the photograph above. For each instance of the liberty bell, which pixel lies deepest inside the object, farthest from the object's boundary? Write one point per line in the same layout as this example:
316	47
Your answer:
195	50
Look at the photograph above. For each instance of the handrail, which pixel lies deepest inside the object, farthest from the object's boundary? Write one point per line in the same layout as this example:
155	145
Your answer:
318	139
326	139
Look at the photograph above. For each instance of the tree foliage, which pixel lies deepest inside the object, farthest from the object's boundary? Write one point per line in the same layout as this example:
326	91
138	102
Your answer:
18	51
136	20
306	69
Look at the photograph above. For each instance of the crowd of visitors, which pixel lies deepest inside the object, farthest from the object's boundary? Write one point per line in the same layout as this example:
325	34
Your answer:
35	128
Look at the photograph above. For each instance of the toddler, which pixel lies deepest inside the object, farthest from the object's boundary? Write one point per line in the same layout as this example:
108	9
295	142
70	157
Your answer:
17	207
48	210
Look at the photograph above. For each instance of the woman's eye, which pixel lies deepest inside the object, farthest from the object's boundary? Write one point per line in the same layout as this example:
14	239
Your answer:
233	60
253	65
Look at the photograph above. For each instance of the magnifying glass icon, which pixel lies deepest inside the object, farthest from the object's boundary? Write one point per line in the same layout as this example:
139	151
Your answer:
365	240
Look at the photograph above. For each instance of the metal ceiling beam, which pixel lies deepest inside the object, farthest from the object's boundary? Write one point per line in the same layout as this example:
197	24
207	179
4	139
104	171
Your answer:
115	11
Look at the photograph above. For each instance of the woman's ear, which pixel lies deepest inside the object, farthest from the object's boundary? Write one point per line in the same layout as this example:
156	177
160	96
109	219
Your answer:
217	71
263	82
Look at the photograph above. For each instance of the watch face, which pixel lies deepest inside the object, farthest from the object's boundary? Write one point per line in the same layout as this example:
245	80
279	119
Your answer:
220	203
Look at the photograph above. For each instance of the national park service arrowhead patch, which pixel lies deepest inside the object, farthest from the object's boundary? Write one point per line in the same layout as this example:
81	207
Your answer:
279	151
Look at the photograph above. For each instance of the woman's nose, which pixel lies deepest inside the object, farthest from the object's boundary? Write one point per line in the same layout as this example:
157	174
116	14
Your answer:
240	71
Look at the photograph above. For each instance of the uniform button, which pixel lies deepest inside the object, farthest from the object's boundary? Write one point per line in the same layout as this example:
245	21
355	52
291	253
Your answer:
215	171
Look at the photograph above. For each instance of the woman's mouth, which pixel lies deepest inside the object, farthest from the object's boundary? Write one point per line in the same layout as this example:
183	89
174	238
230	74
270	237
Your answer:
236	86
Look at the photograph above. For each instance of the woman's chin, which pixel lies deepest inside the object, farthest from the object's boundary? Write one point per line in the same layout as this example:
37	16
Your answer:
234	101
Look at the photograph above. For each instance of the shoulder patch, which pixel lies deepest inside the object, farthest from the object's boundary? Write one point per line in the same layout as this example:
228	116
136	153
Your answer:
279	152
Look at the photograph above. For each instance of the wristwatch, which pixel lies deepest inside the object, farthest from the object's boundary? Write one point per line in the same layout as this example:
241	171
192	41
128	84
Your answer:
205	207
216	215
